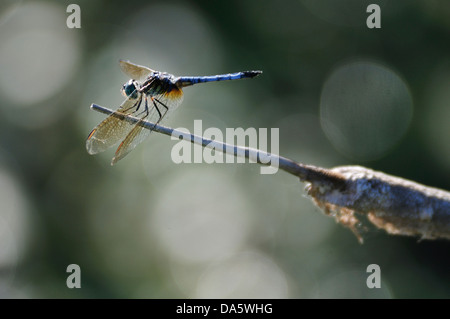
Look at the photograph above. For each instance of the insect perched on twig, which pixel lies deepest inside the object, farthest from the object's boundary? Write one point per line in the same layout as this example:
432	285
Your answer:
150	96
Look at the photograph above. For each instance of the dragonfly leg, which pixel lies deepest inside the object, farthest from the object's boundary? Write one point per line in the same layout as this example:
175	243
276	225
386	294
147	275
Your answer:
157	109
138	103
146	107
165	106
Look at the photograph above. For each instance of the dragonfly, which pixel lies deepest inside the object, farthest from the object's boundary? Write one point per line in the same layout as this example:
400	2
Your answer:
150	96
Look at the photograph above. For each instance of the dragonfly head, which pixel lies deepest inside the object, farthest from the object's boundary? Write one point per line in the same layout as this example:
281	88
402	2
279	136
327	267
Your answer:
130	88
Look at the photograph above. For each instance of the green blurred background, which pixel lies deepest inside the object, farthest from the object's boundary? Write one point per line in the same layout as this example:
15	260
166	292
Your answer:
340	94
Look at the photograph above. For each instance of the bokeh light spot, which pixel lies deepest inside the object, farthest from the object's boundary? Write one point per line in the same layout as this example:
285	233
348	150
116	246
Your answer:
198	224
14	229
365	109
245	275
39	55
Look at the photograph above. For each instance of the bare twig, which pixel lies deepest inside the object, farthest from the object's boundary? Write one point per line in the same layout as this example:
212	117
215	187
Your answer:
397	205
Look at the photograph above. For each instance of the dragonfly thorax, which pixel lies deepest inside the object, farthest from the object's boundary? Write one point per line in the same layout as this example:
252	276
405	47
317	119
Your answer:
130	88
158	83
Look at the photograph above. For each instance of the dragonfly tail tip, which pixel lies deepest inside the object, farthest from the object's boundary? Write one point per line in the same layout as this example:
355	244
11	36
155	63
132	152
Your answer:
252	74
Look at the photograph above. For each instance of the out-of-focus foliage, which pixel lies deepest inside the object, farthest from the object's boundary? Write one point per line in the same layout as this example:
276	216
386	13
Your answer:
339	93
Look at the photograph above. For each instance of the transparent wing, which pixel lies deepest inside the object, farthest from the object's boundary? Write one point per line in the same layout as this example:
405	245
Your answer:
112	129
134	71
159	108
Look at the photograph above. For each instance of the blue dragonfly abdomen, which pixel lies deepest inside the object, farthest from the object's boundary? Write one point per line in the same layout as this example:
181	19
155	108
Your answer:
191	80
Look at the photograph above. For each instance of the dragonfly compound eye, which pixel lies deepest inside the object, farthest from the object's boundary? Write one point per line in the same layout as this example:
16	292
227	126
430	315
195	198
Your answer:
129	88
